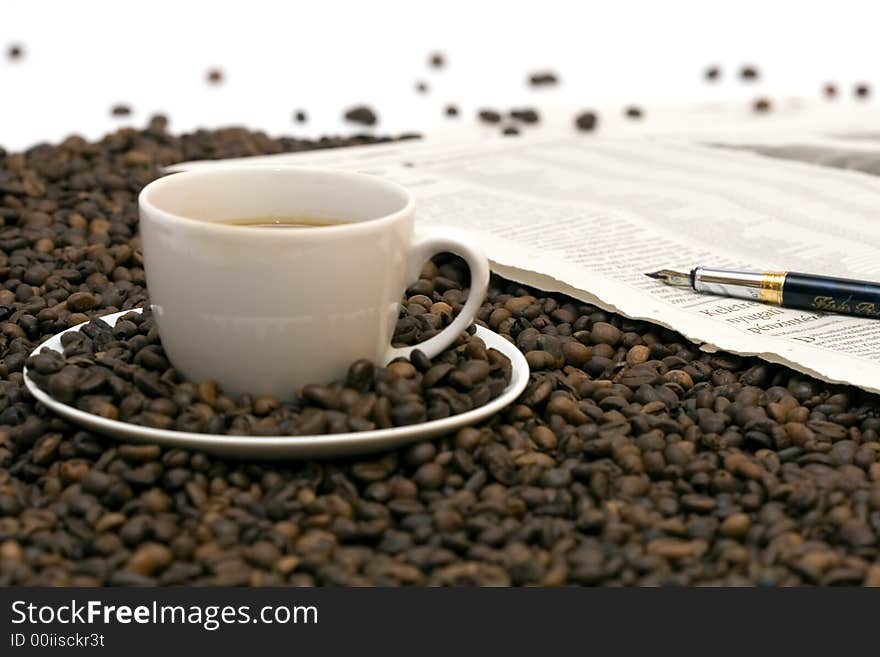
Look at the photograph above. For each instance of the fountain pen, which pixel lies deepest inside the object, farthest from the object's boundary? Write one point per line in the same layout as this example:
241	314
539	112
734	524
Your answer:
787	289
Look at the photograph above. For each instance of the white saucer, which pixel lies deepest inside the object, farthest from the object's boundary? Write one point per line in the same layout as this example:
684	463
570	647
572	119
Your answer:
289	447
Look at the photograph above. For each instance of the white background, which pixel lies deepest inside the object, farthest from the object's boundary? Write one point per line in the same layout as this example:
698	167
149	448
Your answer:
324	55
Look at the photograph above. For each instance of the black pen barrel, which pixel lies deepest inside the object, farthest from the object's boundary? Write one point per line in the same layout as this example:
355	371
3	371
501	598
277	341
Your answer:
827	294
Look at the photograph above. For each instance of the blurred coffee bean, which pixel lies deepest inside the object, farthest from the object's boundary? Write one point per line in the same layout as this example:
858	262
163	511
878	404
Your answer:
145	395
543	79
361	114
633	112
761	105
525	115
586	121
749	73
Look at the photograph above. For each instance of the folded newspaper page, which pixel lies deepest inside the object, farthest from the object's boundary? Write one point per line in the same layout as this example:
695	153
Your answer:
587	216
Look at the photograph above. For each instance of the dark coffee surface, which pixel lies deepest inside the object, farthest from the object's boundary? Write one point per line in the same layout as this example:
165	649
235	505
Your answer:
281	223
631	458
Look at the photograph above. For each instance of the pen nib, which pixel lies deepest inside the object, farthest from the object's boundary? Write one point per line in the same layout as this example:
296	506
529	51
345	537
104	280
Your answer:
676	278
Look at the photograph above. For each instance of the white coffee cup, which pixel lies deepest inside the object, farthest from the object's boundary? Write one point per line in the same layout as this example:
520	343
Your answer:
266	311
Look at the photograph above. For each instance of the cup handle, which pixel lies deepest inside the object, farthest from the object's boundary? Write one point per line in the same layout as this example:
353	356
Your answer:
431	244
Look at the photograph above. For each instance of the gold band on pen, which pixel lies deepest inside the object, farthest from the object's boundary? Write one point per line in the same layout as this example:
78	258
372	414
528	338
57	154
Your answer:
771	287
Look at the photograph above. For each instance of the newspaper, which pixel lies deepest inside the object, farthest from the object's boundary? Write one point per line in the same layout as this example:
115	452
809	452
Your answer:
588	216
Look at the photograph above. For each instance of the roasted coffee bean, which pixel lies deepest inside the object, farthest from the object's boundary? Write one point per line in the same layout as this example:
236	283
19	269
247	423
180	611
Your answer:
862	90
429	476
586	121
543	79
633	112
605	333
322	396
139	453
437	60
362	115
149	558
510	131
829	89
525	115
749	73
408	413
120	109
761	105
421	87
451	110
402	369
489	116
419	360
265	405
436	374
360	375
712	73
15	51
214	76
300	116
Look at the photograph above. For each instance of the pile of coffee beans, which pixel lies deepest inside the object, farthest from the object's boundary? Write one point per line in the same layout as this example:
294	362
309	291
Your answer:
122	373
631	457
